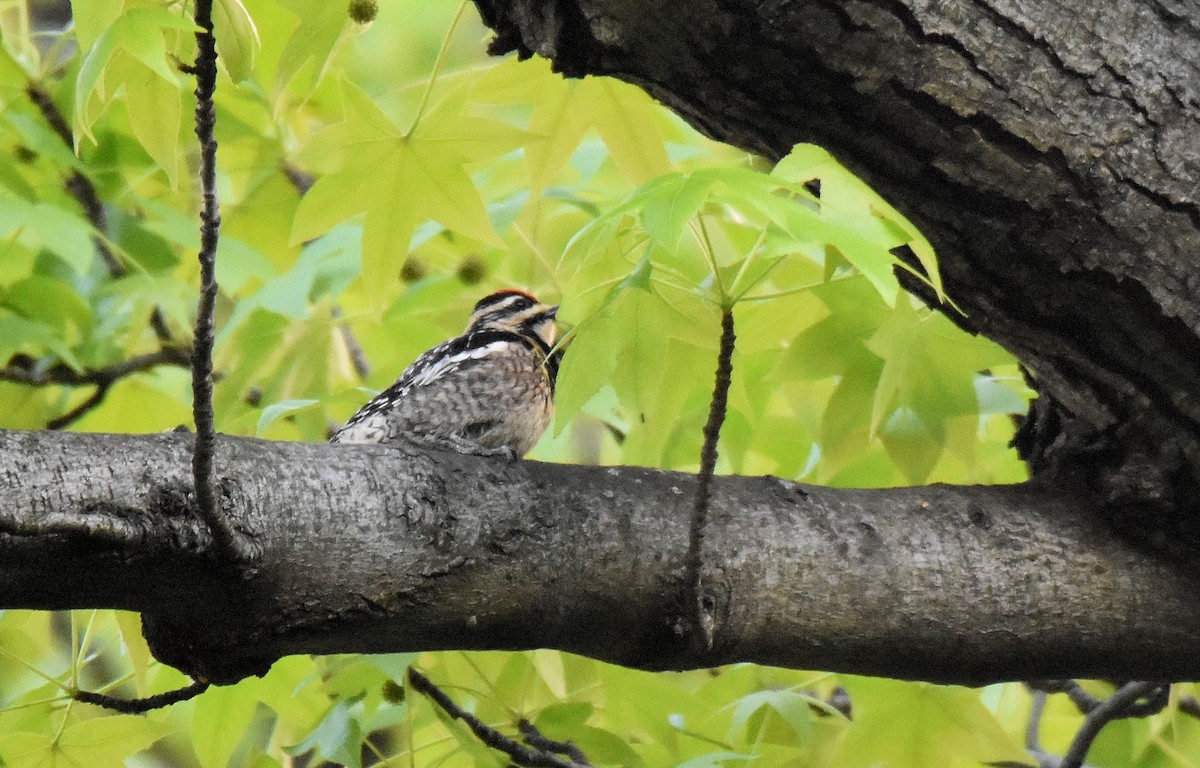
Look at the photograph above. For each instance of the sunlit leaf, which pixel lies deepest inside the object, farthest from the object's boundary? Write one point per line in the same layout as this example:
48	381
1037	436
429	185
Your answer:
337	738
220	721
277	410
909	724
237	37
312	42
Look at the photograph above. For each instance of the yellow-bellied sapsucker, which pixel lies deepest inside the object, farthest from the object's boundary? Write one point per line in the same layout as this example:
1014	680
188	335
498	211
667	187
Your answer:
489	391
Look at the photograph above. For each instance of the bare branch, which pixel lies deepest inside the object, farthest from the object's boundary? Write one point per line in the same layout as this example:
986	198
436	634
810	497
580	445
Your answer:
1086	703
138	706
534	738
23	372
1123	703
62	375
518	753
702	604
90	404
205	70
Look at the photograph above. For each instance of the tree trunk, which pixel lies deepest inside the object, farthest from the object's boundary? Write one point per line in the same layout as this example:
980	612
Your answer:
378	549
1049	150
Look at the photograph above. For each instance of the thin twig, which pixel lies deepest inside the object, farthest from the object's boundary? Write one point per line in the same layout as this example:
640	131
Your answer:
1123	703
92	402
84	191
1033	729
80	186
210	227
1086	703
518	753
138	706
702	616
102	378
301	180
61	375
534	738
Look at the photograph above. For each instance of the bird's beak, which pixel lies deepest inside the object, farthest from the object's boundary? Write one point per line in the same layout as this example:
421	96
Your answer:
553	311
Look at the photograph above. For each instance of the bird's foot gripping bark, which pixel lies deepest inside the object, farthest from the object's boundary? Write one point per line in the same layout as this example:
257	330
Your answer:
467	447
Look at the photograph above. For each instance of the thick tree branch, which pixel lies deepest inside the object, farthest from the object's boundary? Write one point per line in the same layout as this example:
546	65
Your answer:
1051	152
374	549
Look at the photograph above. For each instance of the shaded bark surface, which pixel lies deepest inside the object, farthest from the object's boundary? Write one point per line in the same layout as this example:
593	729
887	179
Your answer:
372	549
1049	150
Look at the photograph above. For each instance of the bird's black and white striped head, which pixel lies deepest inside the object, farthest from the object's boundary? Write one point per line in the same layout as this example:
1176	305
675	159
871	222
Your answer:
515	312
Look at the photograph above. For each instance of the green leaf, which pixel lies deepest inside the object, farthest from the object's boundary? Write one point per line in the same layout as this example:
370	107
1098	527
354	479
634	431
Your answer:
716	760
221	718
901	724
28	750
18	334
49	301
92	17
929	366
237	37
107	740
911	444
565	110
139	34
805	163
43	225
155	112
674	203
276	410
312	42
793	708
338	738
397	181
844	193
130	626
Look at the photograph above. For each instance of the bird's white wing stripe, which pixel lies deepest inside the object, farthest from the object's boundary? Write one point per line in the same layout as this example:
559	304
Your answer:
435	372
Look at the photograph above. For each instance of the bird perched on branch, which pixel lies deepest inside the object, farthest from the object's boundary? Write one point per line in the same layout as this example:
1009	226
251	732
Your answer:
489	391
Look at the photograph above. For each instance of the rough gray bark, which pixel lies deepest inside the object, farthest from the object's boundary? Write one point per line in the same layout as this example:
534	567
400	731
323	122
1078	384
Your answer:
1050	150
365	548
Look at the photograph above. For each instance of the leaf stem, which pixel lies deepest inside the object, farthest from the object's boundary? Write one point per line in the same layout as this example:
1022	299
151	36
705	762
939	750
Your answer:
437	68
700	231
748	260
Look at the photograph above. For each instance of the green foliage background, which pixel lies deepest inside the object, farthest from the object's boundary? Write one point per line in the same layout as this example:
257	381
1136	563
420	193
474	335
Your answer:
437	176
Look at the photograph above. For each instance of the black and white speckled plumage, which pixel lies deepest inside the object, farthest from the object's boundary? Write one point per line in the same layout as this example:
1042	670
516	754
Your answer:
492	387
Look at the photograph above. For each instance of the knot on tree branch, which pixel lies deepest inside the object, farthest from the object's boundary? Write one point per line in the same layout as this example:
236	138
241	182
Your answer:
176	643
1146	487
